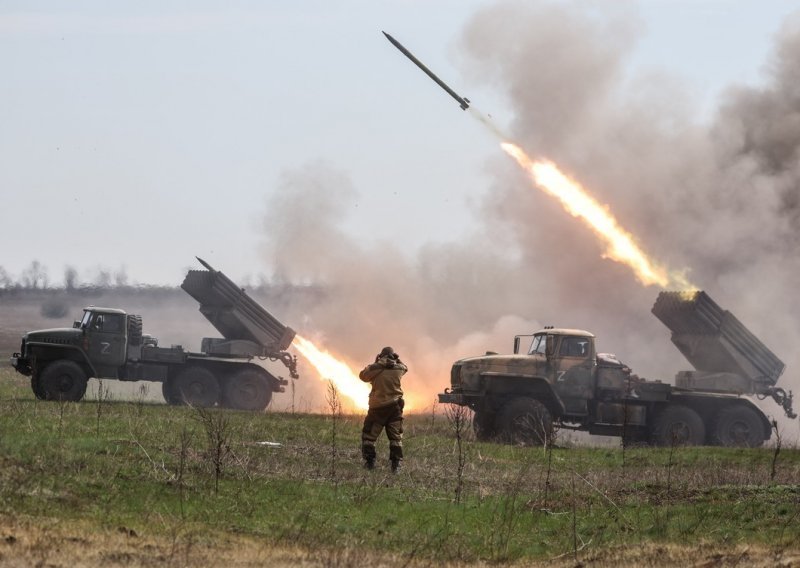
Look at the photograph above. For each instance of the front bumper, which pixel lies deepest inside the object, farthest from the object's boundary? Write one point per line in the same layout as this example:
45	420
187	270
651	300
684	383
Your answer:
21	364
449	397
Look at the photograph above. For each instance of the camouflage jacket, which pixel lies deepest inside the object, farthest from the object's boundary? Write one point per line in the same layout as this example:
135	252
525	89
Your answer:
385	376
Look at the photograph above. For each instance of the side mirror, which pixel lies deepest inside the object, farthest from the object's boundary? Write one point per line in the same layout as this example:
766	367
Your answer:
76	324
550	346
516	345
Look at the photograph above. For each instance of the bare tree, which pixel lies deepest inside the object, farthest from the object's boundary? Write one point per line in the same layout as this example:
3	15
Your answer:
35	276
103	278
70	278
5	279
121	277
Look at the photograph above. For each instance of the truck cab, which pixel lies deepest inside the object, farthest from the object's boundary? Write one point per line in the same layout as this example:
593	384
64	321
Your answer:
569	364
552	373
97	345
105	338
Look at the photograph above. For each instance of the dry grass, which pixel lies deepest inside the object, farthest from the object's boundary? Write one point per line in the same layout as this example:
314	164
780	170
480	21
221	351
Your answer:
46	542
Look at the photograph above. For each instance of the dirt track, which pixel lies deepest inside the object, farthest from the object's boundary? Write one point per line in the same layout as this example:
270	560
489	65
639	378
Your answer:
27	543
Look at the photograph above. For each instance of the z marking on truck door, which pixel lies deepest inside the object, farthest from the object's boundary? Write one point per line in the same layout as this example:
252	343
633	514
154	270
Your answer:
105	347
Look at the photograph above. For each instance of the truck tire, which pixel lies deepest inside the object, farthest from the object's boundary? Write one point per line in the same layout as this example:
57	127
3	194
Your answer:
36	387
247	390
135	330
525	421
62	380
168	392
196	386
738	426
678	425
483	425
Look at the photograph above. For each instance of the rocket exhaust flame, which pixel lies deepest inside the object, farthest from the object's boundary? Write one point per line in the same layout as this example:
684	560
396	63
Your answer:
332	369
621	246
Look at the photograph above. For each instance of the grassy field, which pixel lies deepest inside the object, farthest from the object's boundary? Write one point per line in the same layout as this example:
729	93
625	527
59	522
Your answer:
107	482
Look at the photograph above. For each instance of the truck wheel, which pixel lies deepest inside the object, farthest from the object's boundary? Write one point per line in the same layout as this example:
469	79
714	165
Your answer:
36	387
738	426
525	421
196	386
483	425
62	380
168	392
247	390
678	425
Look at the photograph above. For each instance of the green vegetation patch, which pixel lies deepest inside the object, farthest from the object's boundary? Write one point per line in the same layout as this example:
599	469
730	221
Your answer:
296	480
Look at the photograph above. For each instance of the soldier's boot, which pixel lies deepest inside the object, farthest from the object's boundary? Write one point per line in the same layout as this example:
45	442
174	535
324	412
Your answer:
395	455
368	452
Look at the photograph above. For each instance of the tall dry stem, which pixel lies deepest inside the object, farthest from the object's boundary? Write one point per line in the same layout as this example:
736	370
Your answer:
103	395
185	441
574	521
217	426
335	406
774	466
457	417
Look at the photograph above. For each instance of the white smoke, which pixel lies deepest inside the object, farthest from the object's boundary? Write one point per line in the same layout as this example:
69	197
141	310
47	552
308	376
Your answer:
721	199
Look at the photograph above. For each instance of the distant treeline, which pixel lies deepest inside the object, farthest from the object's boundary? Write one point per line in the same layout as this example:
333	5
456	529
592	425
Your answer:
37	277
34	284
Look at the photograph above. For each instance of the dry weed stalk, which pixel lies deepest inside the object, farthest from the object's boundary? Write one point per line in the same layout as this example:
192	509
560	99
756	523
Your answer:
457	417
335	406
185	441
103	395
217	426
774	465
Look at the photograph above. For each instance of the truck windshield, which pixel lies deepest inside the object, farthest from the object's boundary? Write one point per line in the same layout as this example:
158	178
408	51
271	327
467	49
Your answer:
87	315
538	345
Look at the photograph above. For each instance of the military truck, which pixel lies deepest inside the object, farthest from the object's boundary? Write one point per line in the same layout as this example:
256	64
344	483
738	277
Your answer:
559	380
108	343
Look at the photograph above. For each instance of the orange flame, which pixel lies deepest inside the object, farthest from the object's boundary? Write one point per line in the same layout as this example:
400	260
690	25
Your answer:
621	245
332	369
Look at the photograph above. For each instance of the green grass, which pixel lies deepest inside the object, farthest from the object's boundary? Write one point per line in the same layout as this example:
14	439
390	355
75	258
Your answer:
113	464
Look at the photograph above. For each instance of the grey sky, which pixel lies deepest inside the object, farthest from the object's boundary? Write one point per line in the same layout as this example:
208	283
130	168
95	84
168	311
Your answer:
141	134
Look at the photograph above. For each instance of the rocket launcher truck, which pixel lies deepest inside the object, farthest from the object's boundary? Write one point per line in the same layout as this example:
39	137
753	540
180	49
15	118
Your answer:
559	380
108	343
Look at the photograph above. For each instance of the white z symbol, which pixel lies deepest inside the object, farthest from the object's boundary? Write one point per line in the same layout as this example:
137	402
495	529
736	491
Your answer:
105	347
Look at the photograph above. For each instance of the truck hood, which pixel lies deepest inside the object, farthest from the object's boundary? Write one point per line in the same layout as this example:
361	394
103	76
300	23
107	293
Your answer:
492	360
55	335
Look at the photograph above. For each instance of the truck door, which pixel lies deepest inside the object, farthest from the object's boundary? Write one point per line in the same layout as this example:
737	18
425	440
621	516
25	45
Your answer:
106	335
574	372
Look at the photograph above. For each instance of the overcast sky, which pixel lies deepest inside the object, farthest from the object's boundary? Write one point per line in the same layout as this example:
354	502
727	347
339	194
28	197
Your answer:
137	135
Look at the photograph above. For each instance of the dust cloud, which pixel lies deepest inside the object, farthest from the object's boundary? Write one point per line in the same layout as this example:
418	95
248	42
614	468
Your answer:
719	196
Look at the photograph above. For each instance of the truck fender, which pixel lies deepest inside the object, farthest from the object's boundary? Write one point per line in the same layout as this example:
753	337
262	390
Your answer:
503	386
41	352
276	382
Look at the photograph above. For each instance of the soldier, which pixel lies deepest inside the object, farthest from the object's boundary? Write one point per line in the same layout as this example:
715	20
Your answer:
385	407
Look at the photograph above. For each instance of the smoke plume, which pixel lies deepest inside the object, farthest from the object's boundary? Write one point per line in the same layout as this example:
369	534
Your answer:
720	197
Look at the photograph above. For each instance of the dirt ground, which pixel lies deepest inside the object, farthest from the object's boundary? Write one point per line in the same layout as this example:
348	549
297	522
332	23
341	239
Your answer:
25	542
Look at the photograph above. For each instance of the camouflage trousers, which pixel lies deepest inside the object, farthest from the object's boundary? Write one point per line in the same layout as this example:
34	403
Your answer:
389	417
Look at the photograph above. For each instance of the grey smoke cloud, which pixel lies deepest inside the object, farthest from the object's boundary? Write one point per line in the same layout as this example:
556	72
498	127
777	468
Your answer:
720	198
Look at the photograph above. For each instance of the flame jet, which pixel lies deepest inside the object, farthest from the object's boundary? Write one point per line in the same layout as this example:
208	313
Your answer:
464	102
